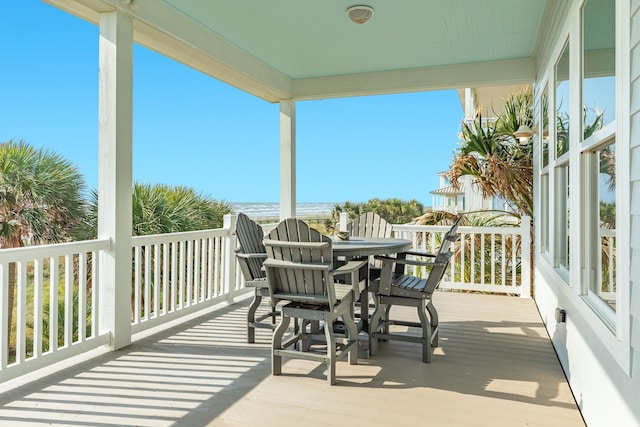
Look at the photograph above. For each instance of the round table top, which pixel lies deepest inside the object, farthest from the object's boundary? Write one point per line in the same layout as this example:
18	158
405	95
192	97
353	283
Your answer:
365	246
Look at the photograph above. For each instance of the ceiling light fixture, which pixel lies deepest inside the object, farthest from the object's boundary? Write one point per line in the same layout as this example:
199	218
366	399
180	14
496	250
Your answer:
524	133
360	13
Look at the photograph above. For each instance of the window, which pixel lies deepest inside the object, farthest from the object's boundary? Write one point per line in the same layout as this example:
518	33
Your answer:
598	152
562	205
541	125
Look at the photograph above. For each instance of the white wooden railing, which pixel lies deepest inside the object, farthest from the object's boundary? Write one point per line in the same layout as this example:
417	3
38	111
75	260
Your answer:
486	259
56	304
173	275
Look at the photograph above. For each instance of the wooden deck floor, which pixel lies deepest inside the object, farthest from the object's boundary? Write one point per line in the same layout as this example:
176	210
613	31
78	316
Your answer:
495	367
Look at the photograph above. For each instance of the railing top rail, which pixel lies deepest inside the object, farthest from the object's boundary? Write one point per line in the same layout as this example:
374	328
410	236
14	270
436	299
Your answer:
462	229
55	249
176	237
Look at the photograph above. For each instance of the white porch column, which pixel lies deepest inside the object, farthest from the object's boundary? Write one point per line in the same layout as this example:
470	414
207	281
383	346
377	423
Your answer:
287	159
115	174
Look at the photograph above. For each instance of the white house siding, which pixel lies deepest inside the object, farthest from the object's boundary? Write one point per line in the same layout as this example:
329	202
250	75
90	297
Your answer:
603	371
634	273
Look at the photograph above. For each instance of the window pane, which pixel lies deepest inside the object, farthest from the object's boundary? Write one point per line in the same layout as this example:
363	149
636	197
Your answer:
562	102
599	75
544	112
604	285
544	211
562	216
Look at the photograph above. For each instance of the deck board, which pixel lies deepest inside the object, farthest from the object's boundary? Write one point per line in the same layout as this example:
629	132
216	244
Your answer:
495	366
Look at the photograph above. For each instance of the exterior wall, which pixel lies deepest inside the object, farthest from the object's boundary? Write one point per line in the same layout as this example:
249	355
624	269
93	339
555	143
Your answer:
634	167
603	367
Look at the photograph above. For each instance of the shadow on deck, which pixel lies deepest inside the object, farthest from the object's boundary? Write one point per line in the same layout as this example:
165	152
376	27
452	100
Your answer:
495	366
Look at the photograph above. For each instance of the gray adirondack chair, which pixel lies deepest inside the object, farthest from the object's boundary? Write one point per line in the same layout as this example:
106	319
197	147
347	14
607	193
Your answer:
300	273
397	288
370	224
251	254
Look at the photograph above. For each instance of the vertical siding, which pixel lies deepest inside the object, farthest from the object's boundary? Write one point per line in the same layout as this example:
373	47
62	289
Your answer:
634	273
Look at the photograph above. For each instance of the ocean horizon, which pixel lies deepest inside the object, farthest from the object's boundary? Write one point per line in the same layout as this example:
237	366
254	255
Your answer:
272	209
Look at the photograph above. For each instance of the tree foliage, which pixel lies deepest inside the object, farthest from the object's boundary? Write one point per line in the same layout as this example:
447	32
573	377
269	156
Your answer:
394	211
41	196
161	208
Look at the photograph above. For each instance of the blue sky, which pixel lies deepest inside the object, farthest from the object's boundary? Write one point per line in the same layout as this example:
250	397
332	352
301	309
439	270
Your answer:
192	130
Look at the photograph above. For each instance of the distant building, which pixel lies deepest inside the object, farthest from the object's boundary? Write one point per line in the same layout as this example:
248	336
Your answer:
463	197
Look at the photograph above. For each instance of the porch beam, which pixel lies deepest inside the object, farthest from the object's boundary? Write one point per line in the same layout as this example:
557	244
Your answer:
287	159
492	73
115	174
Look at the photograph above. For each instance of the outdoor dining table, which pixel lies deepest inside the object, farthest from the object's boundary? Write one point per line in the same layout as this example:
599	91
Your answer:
363	247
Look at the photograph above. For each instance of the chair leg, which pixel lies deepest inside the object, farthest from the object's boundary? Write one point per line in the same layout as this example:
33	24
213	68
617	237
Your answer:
251	316
374	326
433	314
386	319
352	335
276	344
426	334
331	350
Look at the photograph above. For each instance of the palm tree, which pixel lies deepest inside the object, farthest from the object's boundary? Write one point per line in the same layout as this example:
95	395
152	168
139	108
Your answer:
490	153
40	201
160	208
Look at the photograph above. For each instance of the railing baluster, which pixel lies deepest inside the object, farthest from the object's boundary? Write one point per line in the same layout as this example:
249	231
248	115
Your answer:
482	259
21	304
157	281
473	257
37	307
165	277
68	300
513	259
196	271
210	243
53	303
503	262
218	276
147	282
189	272
137	279
95	302
82	296
174	275
182	274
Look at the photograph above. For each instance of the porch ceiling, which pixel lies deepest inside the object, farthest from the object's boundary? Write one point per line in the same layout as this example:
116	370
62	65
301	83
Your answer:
292	49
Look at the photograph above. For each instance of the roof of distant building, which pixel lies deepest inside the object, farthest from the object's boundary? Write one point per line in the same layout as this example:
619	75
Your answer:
448	190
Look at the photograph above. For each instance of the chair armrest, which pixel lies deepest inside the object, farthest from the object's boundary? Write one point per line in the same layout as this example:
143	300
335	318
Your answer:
416	253
287	244
403	261
270	262
350	267
261	255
